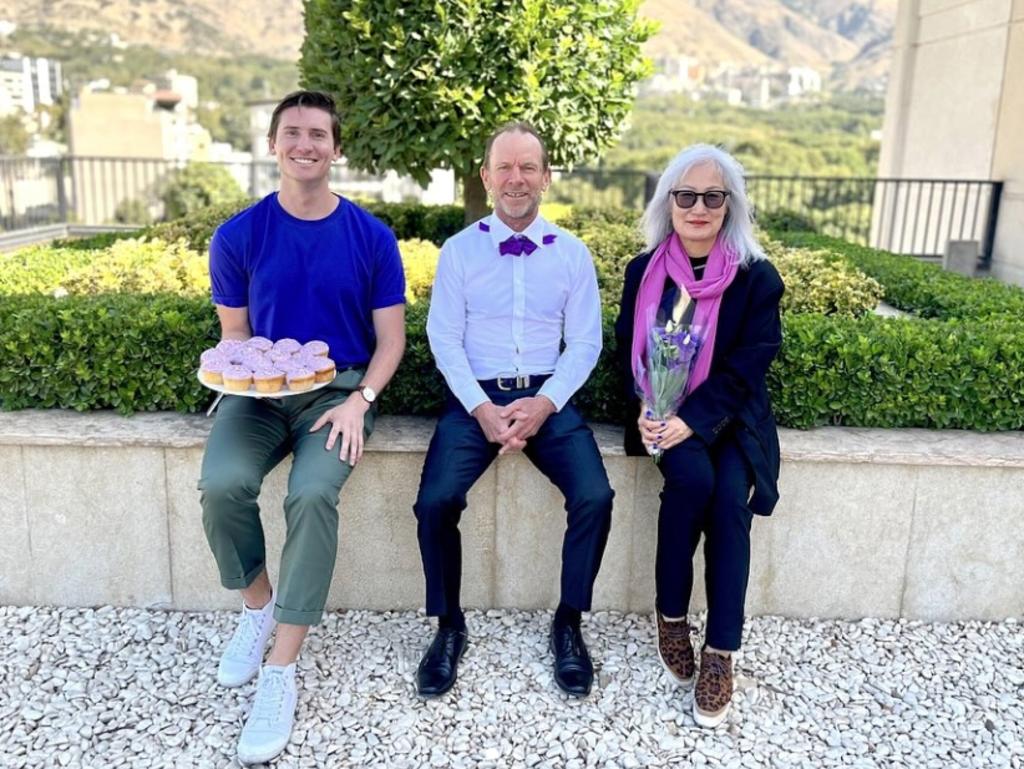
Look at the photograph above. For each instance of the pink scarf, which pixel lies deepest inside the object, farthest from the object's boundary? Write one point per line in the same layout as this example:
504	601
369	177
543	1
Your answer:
671	260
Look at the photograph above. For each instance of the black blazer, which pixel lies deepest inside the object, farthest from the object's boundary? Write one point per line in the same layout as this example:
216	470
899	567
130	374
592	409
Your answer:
733	400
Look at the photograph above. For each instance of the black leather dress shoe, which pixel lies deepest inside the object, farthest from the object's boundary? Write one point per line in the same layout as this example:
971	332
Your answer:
574	672
440	664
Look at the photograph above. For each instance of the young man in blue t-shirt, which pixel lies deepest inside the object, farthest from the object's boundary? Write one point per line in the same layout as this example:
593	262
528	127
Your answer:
302	263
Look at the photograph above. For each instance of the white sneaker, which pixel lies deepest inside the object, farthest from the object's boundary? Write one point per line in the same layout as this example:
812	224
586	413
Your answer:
269	725
243	655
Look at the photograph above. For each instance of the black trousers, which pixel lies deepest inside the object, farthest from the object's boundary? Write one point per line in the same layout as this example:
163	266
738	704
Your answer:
564	450
706	492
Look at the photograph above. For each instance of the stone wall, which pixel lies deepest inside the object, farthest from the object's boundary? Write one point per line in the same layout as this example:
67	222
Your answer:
102	509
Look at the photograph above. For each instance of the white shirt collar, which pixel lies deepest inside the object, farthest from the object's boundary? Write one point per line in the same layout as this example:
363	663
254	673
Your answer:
499	231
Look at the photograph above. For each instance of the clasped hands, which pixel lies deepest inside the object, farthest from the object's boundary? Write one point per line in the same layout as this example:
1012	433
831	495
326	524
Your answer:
514	424
662	434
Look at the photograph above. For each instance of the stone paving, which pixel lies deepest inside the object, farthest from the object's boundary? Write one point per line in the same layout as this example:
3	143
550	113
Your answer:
127	687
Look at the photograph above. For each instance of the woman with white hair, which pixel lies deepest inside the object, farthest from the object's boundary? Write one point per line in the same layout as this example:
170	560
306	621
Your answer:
718	452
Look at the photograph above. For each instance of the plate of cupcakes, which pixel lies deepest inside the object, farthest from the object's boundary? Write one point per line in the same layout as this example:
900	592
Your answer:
261	368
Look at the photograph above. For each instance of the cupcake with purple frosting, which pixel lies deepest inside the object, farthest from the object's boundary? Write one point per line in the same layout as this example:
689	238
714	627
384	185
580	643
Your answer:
300	378
237	378
288	345
315	348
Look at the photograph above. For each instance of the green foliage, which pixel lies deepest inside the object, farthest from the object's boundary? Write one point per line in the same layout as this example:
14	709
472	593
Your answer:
419	258
887	372
132	211
923	289
130	353
39	269
98	241
414	220
142	267
198	186
139	352
14	138
612	246
785	220
423	83
581	217
816	282
830	139
197	228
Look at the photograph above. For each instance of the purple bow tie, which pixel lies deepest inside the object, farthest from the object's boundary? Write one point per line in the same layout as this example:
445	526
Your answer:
516	246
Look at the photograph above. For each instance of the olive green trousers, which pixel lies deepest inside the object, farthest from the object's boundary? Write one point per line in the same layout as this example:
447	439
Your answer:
250	436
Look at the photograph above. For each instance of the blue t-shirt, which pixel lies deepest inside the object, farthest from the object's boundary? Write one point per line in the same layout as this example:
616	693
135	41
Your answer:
308	279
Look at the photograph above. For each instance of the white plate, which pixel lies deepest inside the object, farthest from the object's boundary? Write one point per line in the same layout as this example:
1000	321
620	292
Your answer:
252	392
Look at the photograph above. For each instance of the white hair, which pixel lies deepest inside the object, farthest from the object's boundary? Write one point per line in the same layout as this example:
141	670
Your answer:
737	230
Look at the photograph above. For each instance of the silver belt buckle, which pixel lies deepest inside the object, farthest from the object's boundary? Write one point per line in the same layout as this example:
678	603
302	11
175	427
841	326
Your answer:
522	382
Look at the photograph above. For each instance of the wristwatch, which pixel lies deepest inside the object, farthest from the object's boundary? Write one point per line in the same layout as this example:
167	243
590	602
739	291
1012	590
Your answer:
368	393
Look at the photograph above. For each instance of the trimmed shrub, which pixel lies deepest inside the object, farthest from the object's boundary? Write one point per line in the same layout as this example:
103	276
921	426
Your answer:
923	289
612	246
93	242
414	220
197	228
785	220
139	353
142	267
887	372
815	282
39	269
419	258
119	351
583	217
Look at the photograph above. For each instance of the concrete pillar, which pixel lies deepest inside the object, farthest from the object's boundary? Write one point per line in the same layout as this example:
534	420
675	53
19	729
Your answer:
955	106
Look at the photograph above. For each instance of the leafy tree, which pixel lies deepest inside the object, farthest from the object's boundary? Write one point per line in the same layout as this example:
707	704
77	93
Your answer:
196	186
421	84
14	139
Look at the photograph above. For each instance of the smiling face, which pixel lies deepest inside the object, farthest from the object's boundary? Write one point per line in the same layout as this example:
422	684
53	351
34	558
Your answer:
516	178
304	145
698	227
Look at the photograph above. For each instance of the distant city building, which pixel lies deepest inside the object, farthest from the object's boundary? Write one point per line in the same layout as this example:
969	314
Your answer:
674	74
26	83
153	123
764	87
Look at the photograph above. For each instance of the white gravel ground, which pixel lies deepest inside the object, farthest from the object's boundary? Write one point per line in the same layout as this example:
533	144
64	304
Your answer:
127	687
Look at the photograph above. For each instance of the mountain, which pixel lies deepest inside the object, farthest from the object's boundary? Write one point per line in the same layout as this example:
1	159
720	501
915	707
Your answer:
848	40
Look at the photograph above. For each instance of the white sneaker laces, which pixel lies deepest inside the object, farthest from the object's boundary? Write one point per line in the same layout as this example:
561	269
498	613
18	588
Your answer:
270	699
243	642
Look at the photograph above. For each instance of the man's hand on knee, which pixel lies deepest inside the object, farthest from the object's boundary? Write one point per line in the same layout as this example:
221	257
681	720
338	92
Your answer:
346	421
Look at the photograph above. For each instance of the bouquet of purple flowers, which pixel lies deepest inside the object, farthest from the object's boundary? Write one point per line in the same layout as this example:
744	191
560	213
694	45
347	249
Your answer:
671	350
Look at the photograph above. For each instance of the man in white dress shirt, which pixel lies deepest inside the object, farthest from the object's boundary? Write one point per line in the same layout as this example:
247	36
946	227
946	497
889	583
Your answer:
509	291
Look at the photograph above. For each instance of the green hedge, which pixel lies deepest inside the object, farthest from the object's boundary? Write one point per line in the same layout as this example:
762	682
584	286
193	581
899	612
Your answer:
963	368
926	290
138	353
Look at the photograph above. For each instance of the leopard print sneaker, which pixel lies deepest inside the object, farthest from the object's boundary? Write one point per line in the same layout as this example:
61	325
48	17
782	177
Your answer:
675	650
713	693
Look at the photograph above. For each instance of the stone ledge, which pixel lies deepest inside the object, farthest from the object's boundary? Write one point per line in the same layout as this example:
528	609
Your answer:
857	445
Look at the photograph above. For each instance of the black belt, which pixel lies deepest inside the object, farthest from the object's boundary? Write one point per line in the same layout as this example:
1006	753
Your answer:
518	382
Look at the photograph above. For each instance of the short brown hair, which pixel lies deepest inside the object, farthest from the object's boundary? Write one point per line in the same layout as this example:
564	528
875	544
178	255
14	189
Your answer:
518	126
312	99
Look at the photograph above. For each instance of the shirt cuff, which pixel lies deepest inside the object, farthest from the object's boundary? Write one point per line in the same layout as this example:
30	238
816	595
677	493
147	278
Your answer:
471	397
555	392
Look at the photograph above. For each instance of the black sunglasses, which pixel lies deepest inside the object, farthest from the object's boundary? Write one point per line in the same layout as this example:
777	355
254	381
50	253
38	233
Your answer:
688	198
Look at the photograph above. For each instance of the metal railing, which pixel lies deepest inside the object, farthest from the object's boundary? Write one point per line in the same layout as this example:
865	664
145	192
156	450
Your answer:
917	217
908	216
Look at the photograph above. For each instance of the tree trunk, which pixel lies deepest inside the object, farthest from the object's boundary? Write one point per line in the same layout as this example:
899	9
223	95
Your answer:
474	197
